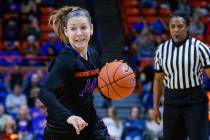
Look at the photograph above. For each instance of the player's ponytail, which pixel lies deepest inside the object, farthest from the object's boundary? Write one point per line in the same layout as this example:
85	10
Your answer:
56	21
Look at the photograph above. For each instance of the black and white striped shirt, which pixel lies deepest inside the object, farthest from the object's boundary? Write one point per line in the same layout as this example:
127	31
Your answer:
182	65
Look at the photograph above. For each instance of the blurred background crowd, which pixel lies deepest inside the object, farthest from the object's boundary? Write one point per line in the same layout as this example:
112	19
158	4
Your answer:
27	45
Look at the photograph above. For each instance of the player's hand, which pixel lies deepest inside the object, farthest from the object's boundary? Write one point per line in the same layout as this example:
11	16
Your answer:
77	122
156	116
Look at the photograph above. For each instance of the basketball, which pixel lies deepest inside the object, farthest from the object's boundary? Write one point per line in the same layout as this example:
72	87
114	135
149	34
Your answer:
116	80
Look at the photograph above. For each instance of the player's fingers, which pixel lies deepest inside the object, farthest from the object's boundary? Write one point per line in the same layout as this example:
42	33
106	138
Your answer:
82	124
76	127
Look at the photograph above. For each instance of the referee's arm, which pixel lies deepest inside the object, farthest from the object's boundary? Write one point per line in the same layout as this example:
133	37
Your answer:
157	93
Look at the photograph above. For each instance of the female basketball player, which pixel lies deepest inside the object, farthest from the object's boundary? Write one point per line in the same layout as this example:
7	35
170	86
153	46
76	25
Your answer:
179	64
67	92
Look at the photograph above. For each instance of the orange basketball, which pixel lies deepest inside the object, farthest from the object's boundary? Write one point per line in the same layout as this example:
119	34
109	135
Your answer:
116	80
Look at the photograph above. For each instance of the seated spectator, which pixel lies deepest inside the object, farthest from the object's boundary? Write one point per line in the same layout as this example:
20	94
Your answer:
140	26
23	122
32	28
10	55
11	29
39	114
158	26
149	4
10	130
51	47
134	126
3	91
197	27
42	76
3	119
31	51
3	8
185	6
155	131
13	6
15	100
144	45
29	7
113	123
14	76
32	88
208	27
206	83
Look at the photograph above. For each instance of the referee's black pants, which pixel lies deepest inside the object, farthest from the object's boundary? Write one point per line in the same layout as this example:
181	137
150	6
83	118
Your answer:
180	122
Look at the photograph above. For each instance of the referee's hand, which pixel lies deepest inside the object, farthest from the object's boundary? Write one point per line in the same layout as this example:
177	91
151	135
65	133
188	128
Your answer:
156	116
77	122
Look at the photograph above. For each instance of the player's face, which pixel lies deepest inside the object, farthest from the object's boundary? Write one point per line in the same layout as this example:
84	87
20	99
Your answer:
78	31
178	28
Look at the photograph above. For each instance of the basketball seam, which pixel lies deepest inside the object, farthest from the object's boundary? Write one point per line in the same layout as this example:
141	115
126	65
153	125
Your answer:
104	82
114	81
113	78
123	78
107	76
116	70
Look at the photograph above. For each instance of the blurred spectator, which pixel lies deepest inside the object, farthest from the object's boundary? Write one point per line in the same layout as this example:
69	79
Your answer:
206	83
10	55
200	11
42	76
149	4
158	26
155	131
113	123
208	28
144	45
14	77
31	51
134	126
10	131
29	7
32	88
32	28
3	119
53	3
11	29
51	47
23	122
185	6
3	91
140	26
39	114
3	9
15	100
13	6
197	27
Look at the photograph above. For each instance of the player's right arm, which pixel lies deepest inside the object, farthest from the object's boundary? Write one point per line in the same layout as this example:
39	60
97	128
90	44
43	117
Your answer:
56	76
157	93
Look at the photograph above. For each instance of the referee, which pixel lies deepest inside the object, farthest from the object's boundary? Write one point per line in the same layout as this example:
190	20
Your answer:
179	65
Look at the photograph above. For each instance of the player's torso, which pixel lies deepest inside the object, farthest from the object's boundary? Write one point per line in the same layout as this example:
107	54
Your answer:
80	83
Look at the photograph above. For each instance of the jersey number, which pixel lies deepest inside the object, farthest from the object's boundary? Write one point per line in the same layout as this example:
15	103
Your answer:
90	85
